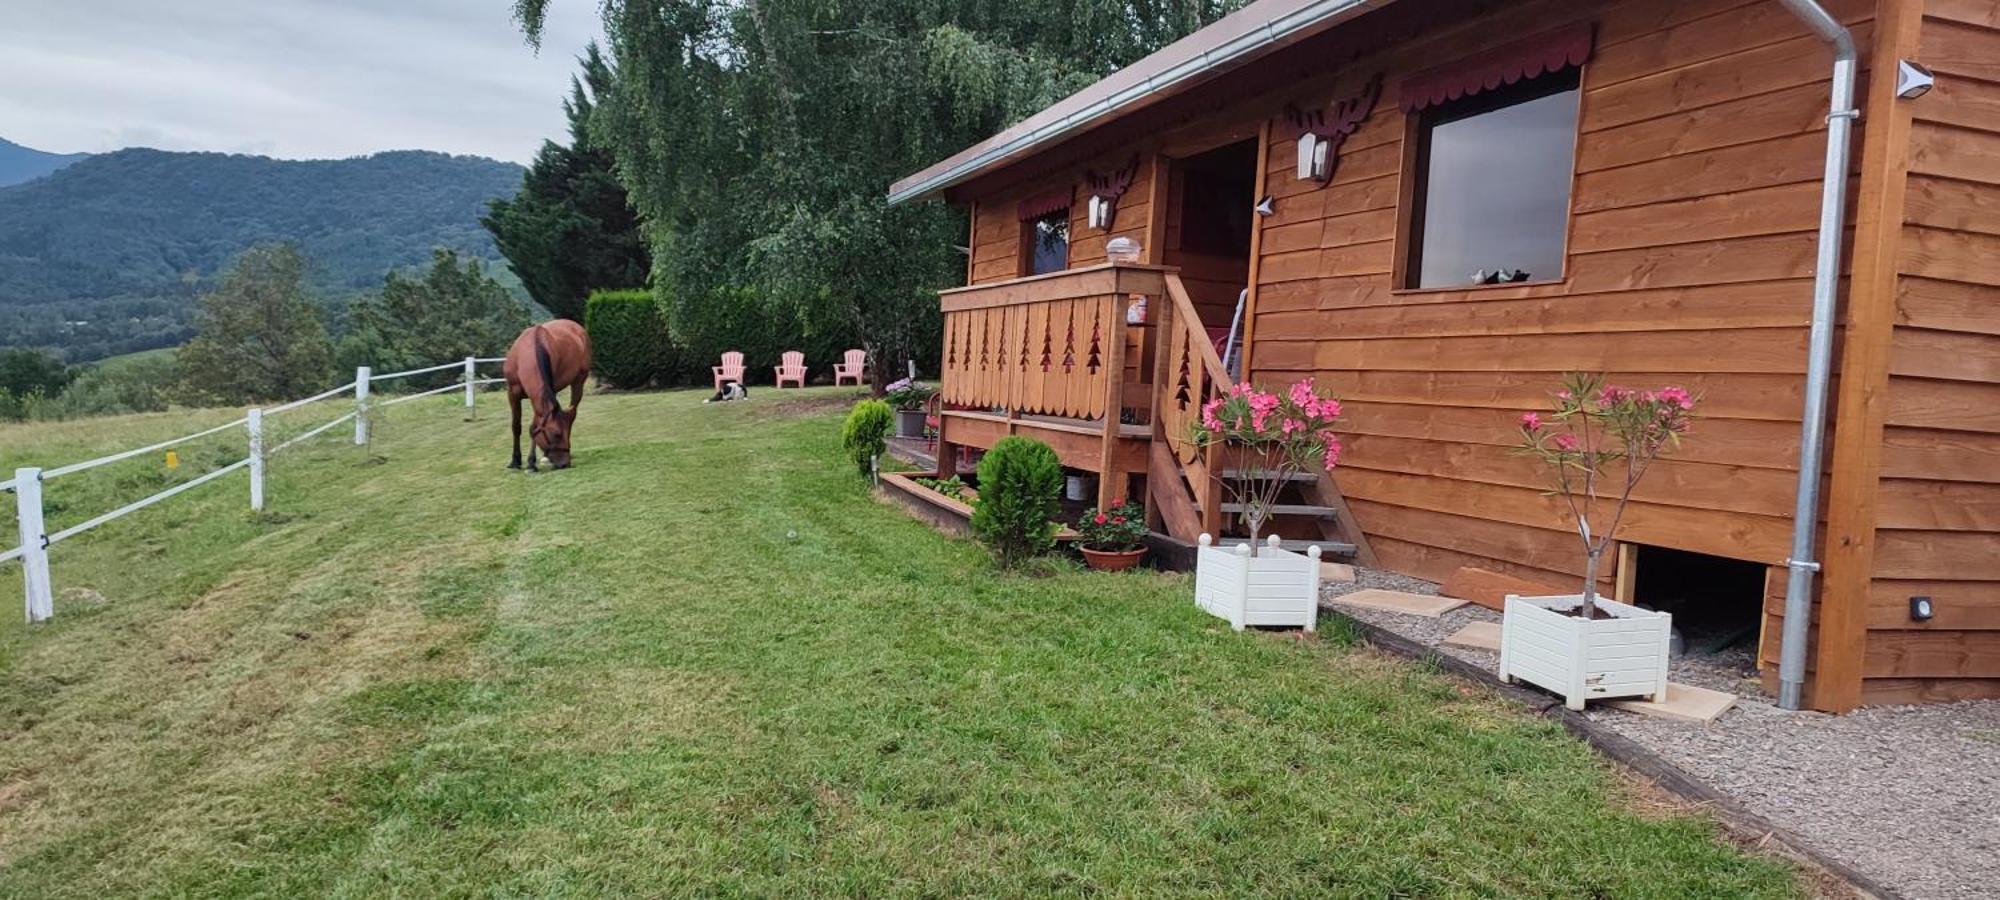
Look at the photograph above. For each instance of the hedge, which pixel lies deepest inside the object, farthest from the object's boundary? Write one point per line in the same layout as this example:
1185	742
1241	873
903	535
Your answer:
629	343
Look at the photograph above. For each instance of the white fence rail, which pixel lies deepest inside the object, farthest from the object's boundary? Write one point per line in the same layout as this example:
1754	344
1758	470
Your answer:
26	485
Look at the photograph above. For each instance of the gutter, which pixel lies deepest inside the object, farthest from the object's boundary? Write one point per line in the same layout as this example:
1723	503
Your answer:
1275	31
1819	354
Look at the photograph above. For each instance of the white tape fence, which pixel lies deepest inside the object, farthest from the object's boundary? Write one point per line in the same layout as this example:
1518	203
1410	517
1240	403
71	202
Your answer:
26	485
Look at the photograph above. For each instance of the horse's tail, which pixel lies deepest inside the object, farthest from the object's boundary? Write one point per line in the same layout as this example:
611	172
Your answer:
548	372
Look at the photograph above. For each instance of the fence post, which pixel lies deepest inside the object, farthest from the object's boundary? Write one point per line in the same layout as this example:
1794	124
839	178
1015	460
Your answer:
471	375
361	406
34	544
255	424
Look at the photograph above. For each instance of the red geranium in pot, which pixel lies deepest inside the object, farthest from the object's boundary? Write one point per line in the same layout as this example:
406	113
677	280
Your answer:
1112	539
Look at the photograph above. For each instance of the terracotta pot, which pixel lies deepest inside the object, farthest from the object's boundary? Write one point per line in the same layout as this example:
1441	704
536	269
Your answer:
1112	560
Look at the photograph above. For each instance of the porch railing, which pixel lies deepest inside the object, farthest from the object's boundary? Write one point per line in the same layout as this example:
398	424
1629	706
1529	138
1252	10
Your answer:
1051	345
1187	373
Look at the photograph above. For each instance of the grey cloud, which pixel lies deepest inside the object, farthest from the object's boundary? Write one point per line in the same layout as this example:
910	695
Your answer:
290	78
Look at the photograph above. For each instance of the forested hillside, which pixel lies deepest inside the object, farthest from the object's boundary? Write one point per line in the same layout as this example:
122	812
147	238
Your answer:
107	255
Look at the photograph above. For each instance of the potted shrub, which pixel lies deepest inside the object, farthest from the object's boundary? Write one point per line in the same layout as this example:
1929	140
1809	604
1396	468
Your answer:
908	396
1597	439
1274	437
1112	539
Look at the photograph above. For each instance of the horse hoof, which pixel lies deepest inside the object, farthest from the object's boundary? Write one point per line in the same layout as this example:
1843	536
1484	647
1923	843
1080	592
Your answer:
513	465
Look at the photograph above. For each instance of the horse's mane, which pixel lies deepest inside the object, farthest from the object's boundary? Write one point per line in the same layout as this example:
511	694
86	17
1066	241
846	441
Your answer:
548	373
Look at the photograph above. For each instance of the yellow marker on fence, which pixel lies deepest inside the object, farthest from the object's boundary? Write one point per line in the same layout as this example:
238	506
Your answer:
173	459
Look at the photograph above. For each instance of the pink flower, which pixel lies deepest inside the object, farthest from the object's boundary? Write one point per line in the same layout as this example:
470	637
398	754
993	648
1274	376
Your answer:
1302	393
1612	395
1677	396
1332	449
1100	519
1208	419
1530	422
1116	520
1563	394
1290	425
1566	442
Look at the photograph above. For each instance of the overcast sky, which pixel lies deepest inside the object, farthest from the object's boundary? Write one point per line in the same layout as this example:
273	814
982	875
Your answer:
300	79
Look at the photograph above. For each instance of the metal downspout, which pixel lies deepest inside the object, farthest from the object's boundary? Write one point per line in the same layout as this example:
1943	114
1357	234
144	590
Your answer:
1819	356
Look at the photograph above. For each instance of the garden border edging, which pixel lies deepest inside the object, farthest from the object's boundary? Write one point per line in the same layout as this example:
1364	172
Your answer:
1745	825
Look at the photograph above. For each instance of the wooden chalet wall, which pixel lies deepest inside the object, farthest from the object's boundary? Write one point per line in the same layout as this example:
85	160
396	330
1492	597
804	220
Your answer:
1915	506
1690	256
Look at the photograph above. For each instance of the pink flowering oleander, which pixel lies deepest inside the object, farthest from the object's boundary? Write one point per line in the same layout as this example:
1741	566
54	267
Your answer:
1289	431
1567	443
1531	421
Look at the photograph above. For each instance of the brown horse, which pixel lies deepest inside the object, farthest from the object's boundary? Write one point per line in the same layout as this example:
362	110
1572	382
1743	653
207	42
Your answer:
545	359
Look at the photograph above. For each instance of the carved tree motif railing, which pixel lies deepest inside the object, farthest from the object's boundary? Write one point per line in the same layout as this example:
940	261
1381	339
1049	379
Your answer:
1051	345
1188	374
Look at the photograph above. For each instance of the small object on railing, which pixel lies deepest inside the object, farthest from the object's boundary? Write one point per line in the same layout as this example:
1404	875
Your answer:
253	421
34	537
361	406
1135	314
1123	249
173	460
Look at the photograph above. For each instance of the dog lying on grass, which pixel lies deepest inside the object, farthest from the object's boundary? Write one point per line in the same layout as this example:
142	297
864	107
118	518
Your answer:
731	390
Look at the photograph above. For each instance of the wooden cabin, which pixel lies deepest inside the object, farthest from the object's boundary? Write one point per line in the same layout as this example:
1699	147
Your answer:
1496	192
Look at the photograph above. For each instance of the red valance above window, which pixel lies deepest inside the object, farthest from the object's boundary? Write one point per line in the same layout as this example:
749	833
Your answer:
1550	51
1042	204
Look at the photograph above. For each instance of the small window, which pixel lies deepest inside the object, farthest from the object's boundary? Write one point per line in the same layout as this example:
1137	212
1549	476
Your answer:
1491	203
1047	243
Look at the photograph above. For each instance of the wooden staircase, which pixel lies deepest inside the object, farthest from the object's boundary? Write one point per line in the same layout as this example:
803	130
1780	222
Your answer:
1184	480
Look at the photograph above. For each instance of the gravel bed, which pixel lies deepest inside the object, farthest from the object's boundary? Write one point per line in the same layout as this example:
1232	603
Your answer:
1909	795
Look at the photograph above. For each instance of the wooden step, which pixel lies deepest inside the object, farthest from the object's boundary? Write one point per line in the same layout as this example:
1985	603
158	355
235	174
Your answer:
1233	474
1332	551
1283	509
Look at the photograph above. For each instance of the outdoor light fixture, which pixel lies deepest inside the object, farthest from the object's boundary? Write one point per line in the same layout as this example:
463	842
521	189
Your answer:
1913	80
1920	609
1313	157
1100	213
1266	207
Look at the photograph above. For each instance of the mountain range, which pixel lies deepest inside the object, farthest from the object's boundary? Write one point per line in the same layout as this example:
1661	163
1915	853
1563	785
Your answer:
109	253
18	163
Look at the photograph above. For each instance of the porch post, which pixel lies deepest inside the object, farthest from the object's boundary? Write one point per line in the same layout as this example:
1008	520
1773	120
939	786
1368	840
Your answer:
1110	481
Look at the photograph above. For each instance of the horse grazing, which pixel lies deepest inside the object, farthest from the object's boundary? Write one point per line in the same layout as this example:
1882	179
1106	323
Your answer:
545	359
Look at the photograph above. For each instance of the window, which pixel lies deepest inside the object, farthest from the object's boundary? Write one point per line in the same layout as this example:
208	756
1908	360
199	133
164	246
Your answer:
1045	241
1493	169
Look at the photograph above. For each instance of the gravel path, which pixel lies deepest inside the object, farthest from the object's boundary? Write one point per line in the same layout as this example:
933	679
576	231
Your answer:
1908	794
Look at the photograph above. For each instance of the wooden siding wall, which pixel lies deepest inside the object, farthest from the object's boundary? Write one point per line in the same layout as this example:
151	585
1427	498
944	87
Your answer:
1938	510
996	225
1690	261
1690	258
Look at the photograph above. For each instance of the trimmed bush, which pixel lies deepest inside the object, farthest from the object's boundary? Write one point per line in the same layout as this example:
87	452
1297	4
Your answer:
629	343
1020	484
865	434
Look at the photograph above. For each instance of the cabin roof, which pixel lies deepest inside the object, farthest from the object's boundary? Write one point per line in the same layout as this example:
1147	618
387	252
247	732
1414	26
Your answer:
1248	34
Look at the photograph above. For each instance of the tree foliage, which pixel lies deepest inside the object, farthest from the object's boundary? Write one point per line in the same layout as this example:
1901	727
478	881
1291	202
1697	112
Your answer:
758	139
570	230
452	311
24	372
258	335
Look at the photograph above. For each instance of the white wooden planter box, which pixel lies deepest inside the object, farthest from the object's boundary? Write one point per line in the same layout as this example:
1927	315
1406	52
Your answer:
1621	653
1275	587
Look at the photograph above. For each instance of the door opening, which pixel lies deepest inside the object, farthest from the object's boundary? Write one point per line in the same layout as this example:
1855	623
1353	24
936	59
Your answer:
1717	602
1209	218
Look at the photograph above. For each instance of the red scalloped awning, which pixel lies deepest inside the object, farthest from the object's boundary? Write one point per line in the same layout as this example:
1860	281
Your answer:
1042	204
1550	51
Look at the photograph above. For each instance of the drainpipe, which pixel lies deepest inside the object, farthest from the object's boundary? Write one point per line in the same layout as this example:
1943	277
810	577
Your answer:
1819	356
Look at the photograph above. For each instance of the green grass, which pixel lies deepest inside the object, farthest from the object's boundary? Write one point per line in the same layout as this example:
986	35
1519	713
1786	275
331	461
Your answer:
705	661
128	360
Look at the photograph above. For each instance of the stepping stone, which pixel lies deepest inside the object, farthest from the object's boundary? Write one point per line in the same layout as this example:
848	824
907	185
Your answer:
1341	572
1400	602
1478	636
1685	703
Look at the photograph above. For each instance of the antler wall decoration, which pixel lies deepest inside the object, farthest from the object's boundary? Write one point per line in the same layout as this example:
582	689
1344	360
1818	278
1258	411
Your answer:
1105	189
1321	131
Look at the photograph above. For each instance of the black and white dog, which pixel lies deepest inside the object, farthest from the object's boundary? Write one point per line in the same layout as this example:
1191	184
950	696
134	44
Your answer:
731	390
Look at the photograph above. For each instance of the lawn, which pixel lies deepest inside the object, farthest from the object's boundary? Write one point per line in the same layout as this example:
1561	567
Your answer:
706	661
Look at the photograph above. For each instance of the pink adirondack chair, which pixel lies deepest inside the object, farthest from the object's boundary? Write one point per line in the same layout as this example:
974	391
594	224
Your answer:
791	367
855	363
730	370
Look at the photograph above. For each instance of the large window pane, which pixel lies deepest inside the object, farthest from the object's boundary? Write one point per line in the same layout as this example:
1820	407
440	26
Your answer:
1495	194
